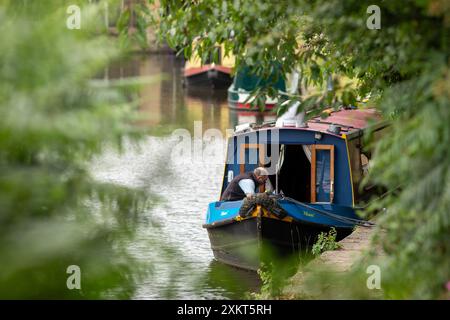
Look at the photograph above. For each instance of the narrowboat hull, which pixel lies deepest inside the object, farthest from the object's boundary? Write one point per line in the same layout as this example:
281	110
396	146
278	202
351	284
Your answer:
249	242
208	76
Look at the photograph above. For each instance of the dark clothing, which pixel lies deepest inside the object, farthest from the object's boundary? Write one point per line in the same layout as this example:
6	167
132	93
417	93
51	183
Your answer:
233	191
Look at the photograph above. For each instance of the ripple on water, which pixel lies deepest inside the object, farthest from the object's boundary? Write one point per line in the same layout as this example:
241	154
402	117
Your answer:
186	189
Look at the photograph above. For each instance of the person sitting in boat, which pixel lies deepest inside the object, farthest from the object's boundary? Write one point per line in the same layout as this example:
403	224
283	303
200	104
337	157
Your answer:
245	184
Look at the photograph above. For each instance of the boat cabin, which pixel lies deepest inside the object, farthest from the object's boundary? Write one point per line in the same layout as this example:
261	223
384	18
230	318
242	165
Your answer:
322	162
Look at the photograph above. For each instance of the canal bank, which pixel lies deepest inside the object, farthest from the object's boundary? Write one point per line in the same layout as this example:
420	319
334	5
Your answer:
347	272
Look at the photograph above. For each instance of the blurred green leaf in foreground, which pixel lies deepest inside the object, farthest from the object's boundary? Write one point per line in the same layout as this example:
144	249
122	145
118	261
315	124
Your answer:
52	122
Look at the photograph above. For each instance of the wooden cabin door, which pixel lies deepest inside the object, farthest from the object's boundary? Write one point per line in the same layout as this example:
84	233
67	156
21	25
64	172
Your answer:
251	156
322	173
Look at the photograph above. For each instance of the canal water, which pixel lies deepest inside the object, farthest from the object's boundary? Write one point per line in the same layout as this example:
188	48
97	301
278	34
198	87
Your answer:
181	183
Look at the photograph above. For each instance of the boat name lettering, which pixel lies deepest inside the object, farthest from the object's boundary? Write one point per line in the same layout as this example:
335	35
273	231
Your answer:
308	214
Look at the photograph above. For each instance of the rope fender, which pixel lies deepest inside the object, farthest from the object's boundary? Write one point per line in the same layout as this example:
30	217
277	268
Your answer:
264	200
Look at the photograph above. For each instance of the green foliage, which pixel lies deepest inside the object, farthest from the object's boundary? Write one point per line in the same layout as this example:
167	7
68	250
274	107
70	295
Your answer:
133	23
403	69
52	122
275	271
272	282
267	288
326	283
326	242
415	157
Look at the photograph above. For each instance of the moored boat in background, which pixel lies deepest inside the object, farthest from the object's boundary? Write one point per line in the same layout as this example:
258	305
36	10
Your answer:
210	74
245	82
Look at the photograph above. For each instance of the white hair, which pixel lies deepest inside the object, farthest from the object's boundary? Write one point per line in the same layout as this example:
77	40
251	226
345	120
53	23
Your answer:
260	171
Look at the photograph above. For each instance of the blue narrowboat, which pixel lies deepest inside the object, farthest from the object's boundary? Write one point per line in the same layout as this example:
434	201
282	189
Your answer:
315	171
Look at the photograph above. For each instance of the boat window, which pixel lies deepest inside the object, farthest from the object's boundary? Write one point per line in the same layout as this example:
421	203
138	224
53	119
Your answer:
230	176
322	173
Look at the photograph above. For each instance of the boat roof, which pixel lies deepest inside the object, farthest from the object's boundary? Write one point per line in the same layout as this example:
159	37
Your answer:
350	121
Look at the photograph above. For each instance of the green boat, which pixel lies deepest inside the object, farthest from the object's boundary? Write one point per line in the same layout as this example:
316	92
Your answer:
245	82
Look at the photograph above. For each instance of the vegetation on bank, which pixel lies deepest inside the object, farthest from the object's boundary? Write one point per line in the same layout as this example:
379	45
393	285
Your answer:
325	242
402	68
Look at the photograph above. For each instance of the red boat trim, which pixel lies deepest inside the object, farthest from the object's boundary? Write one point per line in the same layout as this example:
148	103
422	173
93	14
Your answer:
247	106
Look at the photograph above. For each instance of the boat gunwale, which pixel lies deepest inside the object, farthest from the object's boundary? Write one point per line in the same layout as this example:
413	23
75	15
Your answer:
294	220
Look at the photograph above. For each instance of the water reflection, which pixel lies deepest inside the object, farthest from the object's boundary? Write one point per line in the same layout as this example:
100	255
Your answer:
232	282
168	103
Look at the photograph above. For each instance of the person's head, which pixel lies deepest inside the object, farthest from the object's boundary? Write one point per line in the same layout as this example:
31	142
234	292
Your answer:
261	174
